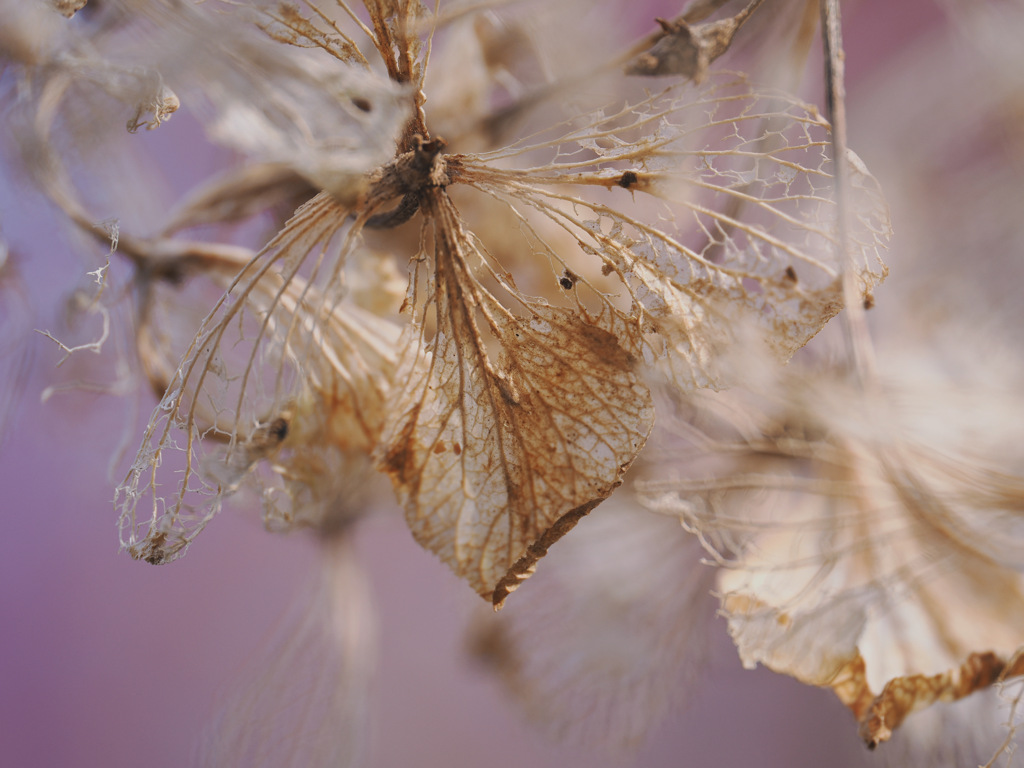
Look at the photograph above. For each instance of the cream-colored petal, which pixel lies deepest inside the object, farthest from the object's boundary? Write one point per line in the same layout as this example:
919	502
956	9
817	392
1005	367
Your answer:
857	559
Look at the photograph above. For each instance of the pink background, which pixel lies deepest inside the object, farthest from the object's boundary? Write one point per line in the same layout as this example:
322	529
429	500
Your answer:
109	662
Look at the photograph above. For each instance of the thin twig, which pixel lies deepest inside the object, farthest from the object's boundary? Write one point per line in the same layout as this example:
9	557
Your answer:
855	326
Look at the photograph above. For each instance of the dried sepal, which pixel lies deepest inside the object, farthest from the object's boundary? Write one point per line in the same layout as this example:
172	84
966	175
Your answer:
719	221
722	229
396	36
286	24
507	428
282	379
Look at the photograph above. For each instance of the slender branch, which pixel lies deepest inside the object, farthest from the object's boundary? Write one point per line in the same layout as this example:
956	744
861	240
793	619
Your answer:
858	338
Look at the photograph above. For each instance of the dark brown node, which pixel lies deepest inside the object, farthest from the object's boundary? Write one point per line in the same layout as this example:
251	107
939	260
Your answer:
628	179
401	213
278	429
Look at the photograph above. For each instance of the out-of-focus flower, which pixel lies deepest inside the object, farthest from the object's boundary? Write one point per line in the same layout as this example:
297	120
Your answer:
869	535
857	531
611	636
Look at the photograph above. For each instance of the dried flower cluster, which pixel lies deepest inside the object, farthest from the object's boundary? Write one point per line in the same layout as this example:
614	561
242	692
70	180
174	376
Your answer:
461	250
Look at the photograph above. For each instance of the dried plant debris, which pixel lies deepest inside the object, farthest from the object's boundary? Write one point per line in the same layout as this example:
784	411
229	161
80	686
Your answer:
687	49
69	7
688	223
861	548
463	256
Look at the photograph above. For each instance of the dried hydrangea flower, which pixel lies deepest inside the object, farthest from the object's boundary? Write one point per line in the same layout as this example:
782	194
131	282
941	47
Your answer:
682	222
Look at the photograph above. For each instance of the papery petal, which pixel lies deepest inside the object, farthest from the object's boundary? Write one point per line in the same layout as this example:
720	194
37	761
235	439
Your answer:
279	369
727	229
857	559
495	459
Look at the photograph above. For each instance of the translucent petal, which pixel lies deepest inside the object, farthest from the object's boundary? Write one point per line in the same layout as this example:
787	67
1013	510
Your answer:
612	630
719	223
280	370
505	430
327	121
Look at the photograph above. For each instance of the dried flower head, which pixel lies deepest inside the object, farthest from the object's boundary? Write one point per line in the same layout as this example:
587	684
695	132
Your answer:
655	233
511	406
459	252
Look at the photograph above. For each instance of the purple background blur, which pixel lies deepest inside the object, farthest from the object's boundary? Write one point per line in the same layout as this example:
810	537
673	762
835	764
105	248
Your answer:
109	662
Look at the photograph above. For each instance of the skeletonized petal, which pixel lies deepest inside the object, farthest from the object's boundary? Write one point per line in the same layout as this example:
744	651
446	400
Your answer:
282	377
507	430
718	221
